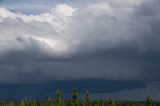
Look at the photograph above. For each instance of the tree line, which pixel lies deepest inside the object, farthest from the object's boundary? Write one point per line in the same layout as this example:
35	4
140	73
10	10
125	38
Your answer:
74	101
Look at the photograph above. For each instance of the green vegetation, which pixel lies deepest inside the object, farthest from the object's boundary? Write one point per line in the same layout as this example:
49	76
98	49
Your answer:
74	101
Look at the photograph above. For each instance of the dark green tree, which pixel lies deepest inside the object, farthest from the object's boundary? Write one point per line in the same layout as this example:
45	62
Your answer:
149	102
110	102
87	99
57	99
48	102
33	103
97	103
158	102
74	98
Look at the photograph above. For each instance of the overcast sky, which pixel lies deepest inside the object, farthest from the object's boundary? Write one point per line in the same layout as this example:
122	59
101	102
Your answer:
43	41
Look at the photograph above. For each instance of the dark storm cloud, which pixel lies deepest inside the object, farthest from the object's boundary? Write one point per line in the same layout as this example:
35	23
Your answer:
148	15
102	40
31	67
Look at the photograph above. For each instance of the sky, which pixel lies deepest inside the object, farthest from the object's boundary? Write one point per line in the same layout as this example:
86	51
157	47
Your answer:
47	41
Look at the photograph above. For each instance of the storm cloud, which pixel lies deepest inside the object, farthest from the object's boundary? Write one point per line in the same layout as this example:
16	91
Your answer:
112	40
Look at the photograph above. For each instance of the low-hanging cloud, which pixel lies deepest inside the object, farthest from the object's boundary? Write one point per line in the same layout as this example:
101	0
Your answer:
102	40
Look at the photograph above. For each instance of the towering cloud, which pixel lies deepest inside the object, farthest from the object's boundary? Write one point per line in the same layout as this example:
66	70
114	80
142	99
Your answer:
114	40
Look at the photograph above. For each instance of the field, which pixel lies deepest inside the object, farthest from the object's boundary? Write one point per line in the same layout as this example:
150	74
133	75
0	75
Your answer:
74	101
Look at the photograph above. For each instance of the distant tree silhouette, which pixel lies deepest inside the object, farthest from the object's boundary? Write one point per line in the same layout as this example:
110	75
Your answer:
110	102
87	99
74	98
149	102
57	99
